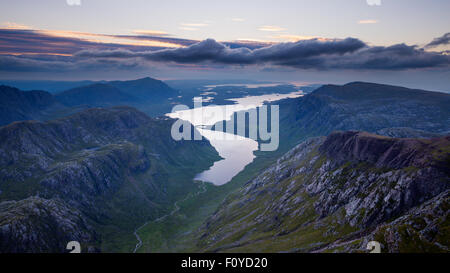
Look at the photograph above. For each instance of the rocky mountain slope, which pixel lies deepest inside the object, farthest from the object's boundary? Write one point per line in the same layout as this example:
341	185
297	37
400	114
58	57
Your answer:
116	166
35	225
335	193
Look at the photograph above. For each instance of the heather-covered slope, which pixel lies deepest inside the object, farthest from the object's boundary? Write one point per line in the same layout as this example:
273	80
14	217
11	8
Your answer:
336	193
117	166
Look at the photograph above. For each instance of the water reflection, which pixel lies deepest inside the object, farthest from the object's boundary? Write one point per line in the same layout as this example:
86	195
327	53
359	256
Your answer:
236	151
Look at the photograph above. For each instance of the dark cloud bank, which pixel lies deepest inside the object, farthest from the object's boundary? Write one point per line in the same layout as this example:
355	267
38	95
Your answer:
317	54
348	53
443	40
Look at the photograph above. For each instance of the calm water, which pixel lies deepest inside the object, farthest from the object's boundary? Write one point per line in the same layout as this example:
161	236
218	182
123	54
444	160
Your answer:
236	151
247	85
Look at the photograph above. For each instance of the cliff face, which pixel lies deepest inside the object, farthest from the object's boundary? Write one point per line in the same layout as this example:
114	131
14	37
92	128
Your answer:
380	151
335	193
116	167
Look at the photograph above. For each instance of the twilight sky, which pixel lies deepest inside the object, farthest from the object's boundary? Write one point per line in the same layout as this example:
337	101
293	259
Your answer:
399	41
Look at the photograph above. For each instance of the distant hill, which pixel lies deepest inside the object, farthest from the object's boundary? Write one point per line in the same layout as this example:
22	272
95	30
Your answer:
148	89
50	86
357	91
147	94
95	95
365	106
24	105
141	91
141	88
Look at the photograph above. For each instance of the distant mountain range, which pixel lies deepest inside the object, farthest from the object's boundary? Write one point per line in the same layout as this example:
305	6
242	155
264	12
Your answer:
337	193
146	93
60	86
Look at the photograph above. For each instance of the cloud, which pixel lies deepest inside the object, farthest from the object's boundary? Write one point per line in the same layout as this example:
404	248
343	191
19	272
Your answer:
368	21
12	25
271	28
396	57
214	52
38	64
25	50
150	32
188	28
349	53
293	38
194	24
28	41
237	19
443	40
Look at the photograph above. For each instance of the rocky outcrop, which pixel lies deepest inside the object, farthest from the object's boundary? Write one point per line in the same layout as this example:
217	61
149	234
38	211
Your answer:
326	189
422	229
42	225
405	132
380	151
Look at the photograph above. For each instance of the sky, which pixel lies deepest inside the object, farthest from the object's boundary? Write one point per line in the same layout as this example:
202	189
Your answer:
403	42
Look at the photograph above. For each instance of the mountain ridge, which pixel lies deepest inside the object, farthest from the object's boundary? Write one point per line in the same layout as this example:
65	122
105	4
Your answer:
98	94
116	166
19	105
147	94
309	199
